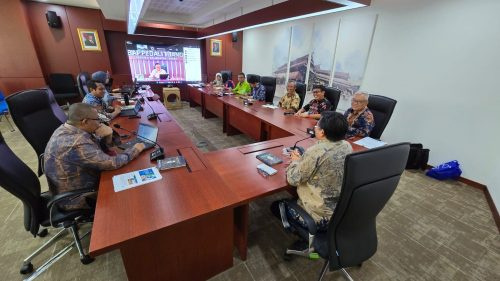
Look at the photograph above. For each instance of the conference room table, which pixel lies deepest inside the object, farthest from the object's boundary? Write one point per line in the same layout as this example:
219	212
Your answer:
184	227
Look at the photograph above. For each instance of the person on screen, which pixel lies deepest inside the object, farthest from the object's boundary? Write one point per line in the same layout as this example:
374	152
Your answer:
319	104
155	73
290	101
218	80
318	173
258	90
74	160
242	87
359	117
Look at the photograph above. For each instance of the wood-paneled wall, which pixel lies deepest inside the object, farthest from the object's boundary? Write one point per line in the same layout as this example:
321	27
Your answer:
231	59
19	66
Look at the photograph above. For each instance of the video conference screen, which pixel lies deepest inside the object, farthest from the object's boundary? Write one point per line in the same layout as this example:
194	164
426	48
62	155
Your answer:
163	64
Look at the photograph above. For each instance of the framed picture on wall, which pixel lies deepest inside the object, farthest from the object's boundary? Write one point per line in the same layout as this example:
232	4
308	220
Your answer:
215	47
89	39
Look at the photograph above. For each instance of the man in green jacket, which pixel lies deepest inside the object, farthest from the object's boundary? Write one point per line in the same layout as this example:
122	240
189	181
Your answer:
243	87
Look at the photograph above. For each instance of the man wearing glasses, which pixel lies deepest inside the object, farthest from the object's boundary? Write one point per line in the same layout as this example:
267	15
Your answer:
319	104
359	117
74	159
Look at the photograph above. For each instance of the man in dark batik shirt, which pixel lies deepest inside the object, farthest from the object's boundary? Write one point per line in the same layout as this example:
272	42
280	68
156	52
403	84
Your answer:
319	104
359	117
74	159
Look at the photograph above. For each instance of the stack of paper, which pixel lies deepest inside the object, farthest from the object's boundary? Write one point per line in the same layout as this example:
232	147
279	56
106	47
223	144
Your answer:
272	106
369	142
136	178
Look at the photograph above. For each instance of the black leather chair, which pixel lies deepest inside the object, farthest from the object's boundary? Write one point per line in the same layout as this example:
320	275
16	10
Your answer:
37	115
81	80
40	209
63	85
333	95
370	179
382	108
226	75
270	85
300	88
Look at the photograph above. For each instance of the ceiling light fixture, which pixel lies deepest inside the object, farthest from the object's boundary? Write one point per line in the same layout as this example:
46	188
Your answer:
134	13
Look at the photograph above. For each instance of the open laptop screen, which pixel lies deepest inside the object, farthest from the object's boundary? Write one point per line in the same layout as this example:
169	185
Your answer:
147	132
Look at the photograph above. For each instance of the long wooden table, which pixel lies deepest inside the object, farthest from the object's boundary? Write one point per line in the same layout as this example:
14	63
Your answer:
184	227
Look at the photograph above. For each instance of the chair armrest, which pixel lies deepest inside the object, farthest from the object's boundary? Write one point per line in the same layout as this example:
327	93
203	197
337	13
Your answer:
311	224
65	195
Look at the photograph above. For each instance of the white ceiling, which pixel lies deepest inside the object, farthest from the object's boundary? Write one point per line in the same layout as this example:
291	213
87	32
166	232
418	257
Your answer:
193	13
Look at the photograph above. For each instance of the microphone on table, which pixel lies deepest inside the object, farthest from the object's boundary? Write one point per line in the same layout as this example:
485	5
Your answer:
156	154
300	148
153	115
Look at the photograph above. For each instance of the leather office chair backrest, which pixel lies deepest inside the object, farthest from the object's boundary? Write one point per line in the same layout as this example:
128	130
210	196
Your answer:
19	180
37	115
382	108
270	84
81	79
249	77
300	88
333	95
370	179
62	83
226	75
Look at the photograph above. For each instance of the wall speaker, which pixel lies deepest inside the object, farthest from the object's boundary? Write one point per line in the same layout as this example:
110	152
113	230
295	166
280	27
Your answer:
53	20
234	36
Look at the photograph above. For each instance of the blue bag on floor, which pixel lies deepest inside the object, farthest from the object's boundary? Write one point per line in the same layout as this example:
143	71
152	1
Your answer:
448	170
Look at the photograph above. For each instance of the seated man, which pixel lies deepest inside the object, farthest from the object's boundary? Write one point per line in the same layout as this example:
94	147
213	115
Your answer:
242	87
319	104
74	160
359	117
104	78
319	172
290	101
155	73
258	90
95	98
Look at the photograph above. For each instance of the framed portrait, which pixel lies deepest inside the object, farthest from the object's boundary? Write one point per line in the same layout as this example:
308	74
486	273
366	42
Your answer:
89	39
215	47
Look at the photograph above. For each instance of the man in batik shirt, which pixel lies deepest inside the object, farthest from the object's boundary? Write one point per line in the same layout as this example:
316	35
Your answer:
290	101
74	159
258	90
359	117
318	173
317	105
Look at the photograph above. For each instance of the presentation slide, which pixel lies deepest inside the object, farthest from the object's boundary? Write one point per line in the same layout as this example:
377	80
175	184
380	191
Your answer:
164	64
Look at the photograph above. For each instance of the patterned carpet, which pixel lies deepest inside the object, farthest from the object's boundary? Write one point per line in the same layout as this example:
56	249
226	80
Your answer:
429	230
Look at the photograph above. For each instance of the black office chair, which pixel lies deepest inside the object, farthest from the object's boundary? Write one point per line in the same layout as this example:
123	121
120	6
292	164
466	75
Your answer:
81	79
227	74
270	85
382	108
333	96
40	209
64	87
300	88
370	179
37	115
251	77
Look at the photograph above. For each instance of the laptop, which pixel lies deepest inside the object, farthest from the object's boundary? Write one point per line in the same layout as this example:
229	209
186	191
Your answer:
145	130
163	76
130	110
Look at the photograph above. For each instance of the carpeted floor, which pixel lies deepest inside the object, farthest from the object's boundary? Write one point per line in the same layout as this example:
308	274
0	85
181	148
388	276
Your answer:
429	230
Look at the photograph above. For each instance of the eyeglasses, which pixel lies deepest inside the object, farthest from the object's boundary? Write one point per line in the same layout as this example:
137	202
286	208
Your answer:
95	119
357	101
316	92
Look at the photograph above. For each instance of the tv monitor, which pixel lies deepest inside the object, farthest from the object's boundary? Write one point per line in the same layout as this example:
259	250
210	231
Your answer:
153	63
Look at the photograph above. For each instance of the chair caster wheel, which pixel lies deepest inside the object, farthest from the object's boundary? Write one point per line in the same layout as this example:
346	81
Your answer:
26	268
86	259
43	232
287	257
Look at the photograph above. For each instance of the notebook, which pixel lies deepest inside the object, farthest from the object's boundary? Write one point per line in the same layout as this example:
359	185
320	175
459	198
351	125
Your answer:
144	132
130	110
269	158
